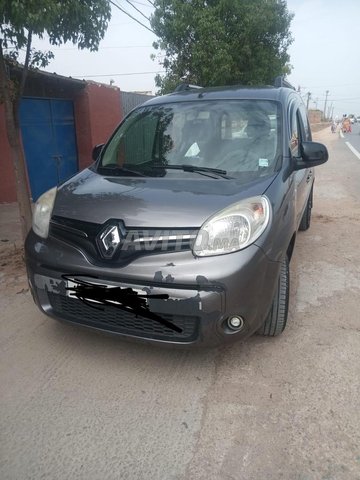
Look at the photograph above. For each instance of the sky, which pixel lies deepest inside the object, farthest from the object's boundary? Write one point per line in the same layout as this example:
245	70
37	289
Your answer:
325	54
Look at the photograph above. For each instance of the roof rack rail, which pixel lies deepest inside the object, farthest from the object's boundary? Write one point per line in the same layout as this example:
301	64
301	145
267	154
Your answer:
182	87
281	82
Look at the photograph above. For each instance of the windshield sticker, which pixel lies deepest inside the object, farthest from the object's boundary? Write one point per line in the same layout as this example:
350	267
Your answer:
263	162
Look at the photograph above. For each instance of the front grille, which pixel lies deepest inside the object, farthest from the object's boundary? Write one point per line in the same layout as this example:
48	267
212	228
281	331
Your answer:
138	242
115	320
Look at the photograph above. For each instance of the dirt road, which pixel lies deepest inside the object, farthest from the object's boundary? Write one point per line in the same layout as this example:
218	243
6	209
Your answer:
77	405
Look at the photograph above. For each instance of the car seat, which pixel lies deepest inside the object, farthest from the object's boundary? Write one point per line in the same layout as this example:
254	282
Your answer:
261	148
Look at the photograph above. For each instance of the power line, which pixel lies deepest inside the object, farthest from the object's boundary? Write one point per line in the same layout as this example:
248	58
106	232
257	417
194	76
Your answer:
116	74
60	49
338	85
109	47
138	10
304	87
133	18
341	99
345	101
143	4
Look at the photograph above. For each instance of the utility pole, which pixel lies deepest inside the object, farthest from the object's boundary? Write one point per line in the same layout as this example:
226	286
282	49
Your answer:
308	100
329	111
326	96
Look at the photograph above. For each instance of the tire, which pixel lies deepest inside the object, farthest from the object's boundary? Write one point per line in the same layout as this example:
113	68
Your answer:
306	218
275	322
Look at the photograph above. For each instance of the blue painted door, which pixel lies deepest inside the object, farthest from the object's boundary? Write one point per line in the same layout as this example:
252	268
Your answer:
48	135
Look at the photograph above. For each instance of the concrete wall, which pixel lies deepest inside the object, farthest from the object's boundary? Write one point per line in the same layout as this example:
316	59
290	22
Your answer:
315	116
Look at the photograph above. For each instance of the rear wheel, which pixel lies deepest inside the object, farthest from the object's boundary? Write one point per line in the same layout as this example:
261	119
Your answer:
306	218
276	320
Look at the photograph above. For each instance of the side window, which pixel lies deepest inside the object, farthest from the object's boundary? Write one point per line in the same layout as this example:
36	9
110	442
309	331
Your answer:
294	132
306	132
133	142
139	140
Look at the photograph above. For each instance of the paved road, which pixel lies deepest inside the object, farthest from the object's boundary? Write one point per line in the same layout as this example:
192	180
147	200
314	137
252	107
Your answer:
352	140
76	405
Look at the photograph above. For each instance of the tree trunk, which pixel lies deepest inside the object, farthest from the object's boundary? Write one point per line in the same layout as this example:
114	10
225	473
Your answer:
17	152
21	180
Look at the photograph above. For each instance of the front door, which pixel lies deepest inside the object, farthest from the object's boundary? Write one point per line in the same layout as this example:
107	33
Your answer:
48	135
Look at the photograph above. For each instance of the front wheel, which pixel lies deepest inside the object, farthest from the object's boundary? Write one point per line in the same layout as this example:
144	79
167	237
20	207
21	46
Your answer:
275	322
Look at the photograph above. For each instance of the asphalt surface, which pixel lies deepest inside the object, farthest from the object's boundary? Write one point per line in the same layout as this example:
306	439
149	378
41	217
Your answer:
78	405
353	138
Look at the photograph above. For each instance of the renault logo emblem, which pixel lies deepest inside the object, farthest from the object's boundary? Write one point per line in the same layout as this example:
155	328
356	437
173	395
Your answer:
110	238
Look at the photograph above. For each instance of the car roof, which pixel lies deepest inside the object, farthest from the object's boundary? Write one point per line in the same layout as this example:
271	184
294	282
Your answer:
224	93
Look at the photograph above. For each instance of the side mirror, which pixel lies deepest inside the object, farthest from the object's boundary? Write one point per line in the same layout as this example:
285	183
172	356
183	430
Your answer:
312	154
97	150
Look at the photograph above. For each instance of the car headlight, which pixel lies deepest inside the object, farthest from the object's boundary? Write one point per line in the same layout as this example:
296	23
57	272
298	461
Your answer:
42	213
233	228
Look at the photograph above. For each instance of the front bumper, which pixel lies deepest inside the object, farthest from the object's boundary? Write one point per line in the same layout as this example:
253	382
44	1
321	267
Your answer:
202	292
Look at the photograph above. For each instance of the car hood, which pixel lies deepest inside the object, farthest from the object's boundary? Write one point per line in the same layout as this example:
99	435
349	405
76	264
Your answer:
181	200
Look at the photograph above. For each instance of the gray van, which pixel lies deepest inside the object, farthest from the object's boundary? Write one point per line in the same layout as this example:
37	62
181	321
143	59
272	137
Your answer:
182	229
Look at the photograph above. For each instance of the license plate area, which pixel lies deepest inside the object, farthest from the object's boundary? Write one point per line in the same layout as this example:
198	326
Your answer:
86	288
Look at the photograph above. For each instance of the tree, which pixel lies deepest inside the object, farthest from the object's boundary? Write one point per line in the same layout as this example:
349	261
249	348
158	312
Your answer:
219	42
82	22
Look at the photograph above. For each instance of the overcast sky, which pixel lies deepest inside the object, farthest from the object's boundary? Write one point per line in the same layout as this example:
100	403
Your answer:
325	54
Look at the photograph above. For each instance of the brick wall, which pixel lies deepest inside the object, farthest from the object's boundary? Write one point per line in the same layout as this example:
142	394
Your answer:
7	176
97	112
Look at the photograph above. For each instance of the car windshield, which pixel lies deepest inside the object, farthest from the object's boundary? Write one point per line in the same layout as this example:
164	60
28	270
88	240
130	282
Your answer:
236	136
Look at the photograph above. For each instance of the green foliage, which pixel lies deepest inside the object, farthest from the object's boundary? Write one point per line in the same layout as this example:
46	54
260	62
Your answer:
82	22
221	42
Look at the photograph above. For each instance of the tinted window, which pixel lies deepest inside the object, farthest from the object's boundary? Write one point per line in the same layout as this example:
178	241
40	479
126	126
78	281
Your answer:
237	136
294	131
304	123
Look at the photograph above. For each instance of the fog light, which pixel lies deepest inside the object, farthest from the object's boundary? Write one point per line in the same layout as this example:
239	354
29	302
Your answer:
235	323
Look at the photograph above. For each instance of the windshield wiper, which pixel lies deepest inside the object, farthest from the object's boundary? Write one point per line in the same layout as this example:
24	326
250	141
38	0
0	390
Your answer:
193	168
116	168
185	167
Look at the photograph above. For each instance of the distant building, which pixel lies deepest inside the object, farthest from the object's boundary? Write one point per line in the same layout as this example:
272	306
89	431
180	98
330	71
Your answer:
315	116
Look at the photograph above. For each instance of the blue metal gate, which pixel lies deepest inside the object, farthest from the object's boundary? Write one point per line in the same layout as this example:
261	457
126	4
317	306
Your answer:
48	135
